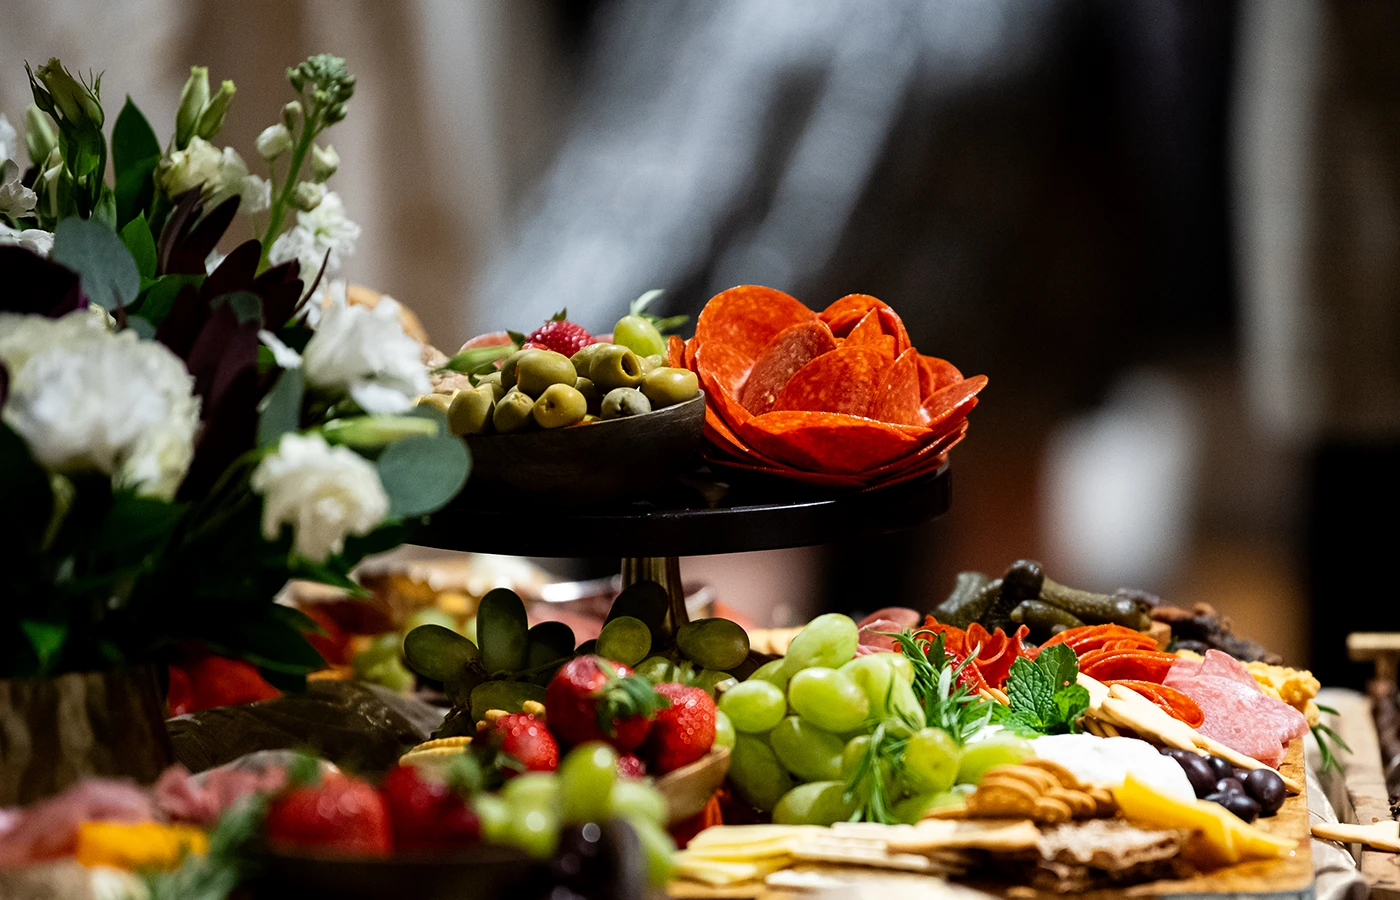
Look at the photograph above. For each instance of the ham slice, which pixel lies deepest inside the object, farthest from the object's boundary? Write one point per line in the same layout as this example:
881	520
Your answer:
1237	713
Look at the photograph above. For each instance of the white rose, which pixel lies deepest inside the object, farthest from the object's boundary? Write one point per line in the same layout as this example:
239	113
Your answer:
325	493
86	399
364	352
219	174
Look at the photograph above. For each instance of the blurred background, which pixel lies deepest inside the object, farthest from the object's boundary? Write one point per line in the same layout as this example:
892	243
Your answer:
1168	230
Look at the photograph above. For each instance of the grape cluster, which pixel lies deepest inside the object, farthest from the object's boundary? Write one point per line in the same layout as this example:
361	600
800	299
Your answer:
511	665
822	735
534	809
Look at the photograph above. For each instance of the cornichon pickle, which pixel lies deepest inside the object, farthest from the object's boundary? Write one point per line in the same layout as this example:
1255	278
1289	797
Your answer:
1095	609
1020	583
1042	617
501	628
967	601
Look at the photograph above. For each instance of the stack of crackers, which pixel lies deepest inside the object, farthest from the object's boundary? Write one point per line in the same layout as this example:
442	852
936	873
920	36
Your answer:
1040	790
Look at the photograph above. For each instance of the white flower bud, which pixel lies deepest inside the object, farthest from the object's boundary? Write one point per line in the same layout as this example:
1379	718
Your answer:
273	142
324	162
292	114
306	196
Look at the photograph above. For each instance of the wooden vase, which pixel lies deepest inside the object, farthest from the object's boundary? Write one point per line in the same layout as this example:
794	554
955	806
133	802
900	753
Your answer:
56	731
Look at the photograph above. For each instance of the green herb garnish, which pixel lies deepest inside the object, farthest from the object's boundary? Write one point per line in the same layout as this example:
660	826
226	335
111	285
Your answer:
1326	736
1044	696
948	703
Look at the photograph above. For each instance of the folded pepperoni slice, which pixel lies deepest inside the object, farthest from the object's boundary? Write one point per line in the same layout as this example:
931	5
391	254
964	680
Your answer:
845	314
897	399
936	374
675	352
790	350
737	324
826	442
952	401
843	381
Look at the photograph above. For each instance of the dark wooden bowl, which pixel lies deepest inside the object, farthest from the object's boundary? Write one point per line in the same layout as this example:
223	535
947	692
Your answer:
595	463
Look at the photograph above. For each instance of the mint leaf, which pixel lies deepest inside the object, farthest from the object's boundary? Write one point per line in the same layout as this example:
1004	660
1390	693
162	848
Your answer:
1030	690
1019	722
1059	664
1070	703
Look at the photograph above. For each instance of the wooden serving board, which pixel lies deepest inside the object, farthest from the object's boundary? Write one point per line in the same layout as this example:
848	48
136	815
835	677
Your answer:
1283	879
1370	800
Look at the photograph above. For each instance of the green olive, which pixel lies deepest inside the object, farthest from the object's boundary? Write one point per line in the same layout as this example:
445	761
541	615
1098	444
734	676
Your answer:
559	406
616	367
470	411
489	378
437	401
624	401
538	369
649	363
507	372
583	359
666	387
590	392
514	412
491	383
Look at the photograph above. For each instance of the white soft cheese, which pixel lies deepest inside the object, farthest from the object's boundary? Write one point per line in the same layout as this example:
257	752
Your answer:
1106	762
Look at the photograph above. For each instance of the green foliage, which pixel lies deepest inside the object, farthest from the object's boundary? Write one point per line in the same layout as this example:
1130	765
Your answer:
281	411
1044	696
76	187
109	274
420	474
135	154
948	703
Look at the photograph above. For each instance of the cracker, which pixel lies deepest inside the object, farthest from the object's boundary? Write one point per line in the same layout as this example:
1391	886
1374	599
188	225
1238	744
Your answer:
1081	805
1052	811
1010	801
934	834
1064	776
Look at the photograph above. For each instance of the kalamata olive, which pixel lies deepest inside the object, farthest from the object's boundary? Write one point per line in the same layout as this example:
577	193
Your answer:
1267	789
1222	767
1198	772
1241	805
1229	786
1241	774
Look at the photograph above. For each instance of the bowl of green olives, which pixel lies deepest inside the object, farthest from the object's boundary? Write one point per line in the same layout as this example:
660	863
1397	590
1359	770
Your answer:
605	424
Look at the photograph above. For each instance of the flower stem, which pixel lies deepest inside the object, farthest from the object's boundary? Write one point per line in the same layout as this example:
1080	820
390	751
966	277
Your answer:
278	212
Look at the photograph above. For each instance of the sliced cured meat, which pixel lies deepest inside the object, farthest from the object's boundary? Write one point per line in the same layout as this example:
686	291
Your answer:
1239	715
790	350
826	442
936	374
1223	665
737	324
900	616
897	398
874	637
843	381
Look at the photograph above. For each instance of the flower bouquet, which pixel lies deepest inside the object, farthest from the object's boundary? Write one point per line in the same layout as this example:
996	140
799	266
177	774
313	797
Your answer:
182	432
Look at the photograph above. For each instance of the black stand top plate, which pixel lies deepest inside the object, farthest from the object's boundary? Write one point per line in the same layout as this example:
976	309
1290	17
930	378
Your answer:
757	514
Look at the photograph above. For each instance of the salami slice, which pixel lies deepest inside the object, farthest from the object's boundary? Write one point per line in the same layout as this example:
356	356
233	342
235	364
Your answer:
897	399
843	381
936	374
827	442
737	324
790	350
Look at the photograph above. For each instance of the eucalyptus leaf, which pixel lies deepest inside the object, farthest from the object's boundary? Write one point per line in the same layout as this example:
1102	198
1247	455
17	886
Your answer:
421	474
136	236
281	410
142	327
106	268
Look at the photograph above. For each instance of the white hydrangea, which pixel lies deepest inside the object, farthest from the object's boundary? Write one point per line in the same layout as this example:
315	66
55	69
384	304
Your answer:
84	398
34	240
325	493
219	173
363	352
322	230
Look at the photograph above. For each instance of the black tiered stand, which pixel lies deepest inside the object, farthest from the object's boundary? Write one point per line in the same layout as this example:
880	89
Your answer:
697	517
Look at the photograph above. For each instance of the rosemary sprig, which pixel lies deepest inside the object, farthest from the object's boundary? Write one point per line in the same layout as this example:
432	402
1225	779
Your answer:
1326	735
948	703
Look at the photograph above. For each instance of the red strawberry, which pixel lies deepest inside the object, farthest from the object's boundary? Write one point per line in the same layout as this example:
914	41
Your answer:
630	765
527	742
592	699
340	814
684	732
559	335
490	339
426	814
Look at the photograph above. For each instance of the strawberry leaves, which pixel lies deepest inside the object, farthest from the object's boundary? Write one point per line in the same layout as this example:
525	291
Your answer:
625	696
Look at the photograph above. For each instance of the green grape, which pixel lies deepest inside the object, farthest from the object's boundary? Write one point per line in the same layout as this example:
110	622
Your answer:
1000	749
815	803
713	643
633	798
657	849
655	669
386	646
856	749
828	699
494	813
390	673
713	682
639	336
429	616
828	641
626	640
899	663
531	789
469	630
756	774
438	653
773	673
914	807
877	680
806	750
753	706
931	761
507	695
586	779
534	829
724	730
645	600
503	627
